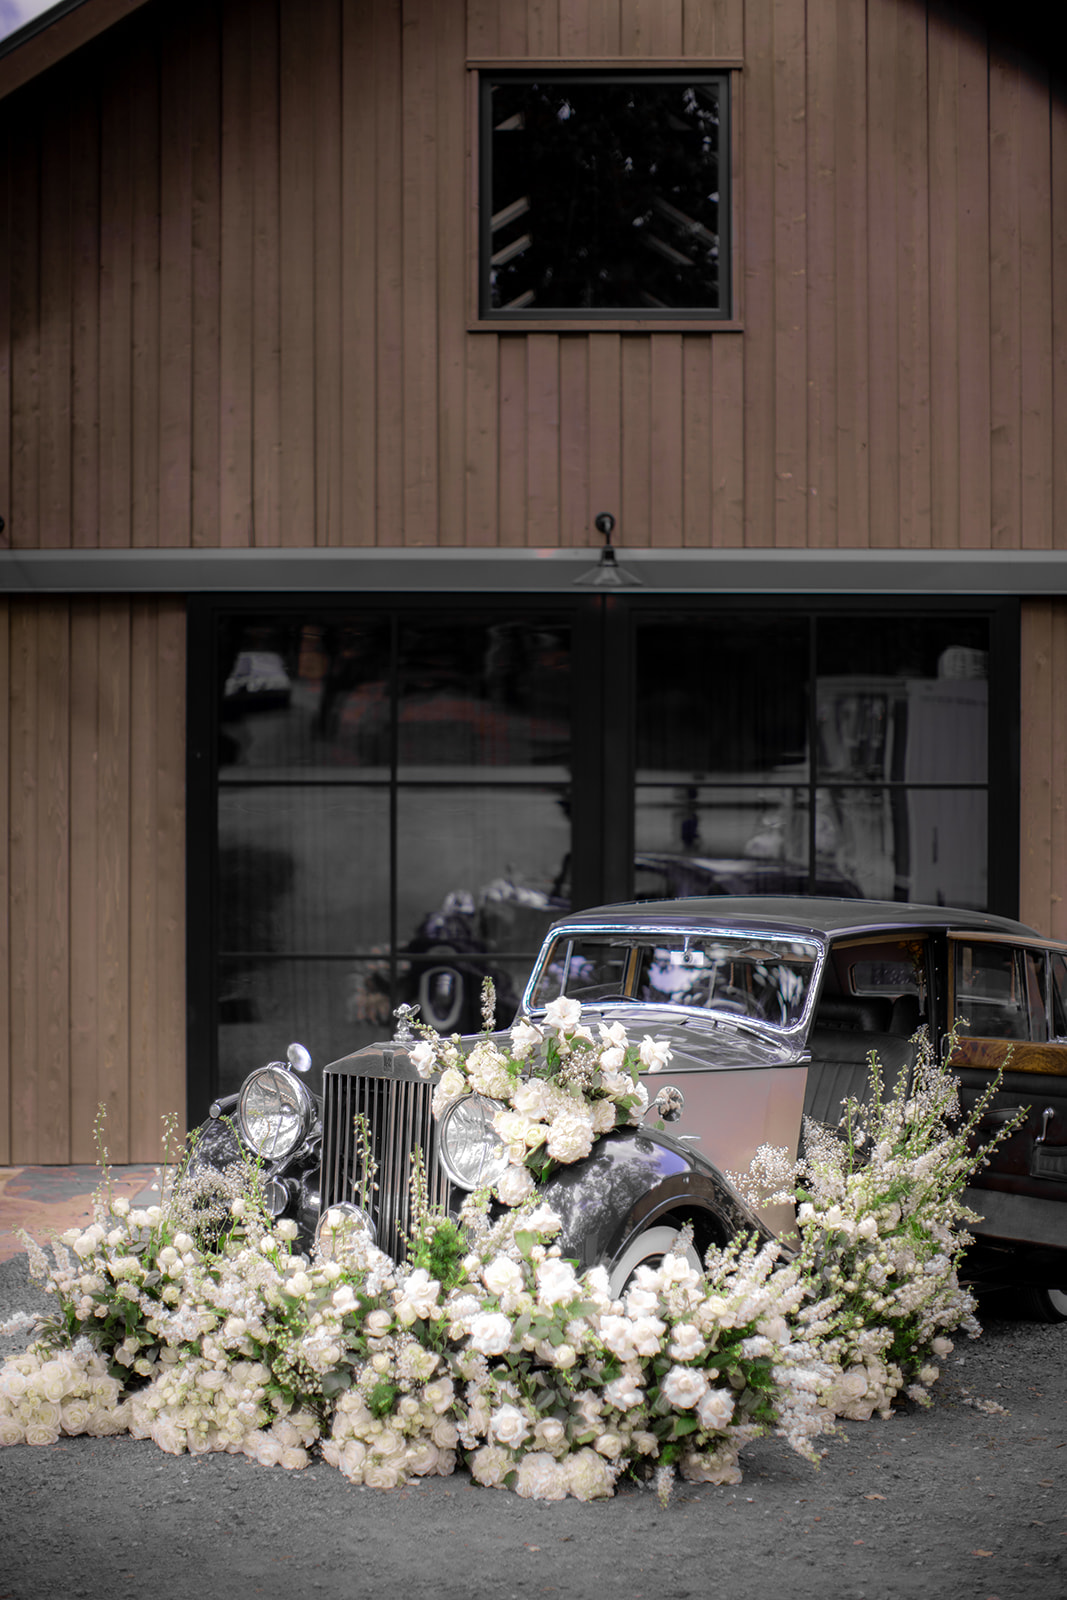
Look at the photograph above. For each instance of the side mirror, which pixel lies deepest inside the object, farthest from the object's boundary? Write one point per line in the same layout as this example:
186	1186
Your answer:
668	1104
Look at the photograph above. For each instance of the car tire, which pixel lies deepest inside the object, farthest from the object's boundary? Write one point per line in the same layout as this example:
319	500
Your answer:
648	1250
1043	1305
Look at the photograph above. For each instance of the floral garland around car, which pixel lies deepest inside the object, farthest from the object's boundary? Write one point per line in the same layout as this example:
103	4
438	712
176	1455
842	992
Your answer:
488	1347
560	1086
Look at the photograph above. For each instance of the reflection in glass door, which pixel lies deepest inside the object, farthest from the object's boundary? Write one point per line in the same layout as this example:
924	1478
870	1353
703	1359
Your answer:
393	821
812	753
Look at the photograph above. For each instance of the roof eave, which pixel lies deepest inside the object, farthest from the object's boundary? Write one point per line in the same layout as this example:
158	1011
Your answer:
56	34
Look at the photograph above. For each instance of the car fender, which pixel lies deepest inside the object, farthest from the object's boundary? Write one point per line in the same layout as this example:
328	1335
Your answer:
632	1179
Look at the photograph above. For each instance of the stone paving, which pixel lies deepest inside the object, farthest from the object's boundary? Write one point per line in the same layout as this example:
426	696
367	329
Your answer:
48	1200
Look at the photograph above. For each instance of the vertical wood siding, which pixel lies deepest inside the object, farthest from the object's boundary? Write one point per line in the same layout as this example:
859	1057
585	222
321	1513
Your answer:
92	930
1043	822
235	284
236	281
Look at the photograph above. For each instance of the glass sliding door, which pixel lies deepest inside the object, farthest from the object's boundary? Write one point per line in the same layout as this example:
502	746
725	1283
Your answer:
392	820
392	797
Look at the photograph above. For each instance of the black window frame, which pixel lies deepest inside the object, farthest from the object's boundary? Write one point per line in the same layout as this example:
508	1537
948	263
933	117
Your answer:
603	757
701	315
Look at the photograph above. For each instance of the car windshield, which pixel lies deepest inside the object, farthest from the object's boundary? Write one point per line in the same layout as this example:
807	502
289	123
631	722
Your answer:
746	975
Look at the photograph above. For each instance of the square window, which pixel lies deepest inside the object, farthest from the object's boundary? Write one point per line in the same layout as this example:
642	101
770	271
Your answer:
604	195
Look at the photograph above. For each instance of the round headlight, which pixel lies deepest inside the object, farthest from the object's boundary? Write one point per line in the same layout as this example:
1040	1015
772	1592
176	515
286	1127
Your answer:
274	1113
338	1229
470	1150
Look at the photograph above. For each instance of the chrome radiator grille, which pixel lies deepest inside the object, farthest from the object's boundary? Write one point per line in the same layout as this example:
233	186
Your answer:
382	1087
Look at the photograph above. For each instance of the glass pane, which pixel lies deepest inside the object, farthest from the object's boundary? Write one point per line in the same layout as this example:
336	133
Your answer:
477	694
923	845
480	868
332	1007
991	993
695	840
722	694
299	694
745	975
605	194
303	868
1034	963
903	699
1058	973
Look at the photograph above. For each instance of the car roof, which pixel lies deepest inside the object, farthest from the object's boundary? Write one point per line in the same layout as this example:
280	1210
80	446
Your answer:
790	914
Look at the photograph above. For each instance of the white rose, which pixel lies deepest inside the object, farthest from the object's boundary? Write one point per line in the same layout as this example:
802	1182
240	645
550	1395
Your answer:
543	1220
624	1393
524	1038
617	1335
540	1477
533	1098
41	1433
417	1297
616	1084
654	1053
603	1116
556	1282
502	1276
508	1427
609	1445
489	1465
647	1334
612	1058
588	1475
490	1333
686	1342
423	1059
515	1186
563	1014
550	1432
683	1387
641	1302
452	1085
715	1409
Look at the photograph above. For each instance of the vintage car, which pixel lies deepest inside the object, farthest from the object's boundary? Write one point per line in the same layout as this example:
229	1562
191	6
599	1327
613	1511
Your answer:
770	1007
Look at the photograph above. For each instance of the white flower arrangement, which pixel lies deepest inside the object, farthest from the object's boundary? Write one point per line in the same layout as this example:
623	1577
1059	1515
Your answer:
490	1348
560	1087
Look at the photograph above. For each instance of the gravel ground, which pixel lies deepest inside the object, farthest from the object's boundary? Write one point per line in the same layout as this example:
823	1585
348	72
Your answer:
952	1503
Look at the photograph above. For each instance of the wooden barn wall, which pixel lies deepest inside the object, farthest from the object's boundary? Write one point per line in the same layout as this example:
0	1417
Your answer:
236	280
1043	809
234	298
92	876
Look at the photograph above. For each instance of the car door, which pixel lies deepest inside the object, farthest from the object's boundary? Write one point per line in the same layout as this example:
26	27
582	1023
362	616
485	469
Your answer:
1010	1000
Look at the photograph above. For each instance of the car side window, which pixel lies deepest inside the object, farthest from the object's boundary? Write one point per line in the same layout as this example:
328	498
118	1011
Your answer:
1058	994
1000	991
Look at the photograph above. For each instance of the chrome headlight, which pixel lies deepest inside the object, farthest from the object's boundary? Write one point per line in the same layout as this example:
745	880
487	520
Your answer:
339	1228
469	1148
274	1113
